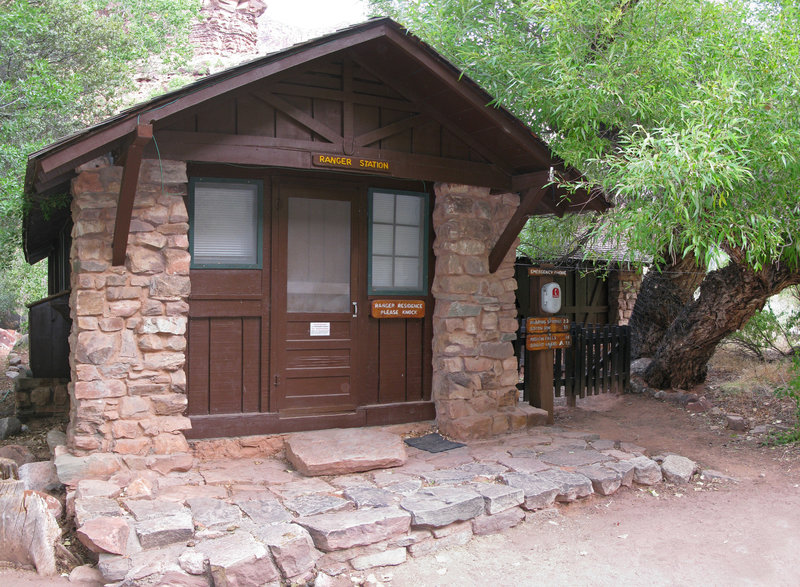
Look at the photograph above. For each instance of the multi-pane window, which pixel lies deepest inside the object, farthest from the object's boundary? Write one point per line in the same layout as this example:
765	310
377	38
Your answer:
398	242
225	227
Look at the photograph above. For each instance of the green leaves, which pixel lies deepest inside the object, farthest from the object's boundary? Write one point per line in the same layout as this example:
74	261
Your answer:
687	113
66	64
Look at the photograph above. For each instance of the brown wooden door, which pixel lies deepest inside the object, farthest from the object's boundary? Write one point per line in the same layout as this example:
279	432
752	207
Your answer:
318	309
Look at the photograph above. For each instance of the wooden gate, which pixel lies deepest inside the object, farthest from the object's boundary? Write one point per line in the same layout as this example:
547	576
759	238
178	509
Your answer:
597	362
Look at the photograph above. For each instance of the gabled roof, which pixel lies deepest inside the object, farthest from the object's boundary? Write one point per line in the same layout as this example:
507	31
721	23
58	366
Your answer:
379	45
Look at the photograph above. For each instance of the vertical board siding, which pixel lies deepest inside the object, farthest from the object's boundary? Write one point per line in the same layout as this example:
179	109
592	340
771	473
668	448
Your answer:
392	361
414	354
398	142
199	359
255	117
225	377
325	93
288	128
224	365
251	364
219	116
329	112
403	354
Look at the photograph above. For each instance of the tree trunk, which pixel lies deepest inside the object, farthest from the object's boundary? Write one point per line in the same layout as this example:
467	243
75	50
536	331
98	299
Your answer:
728	298
662	296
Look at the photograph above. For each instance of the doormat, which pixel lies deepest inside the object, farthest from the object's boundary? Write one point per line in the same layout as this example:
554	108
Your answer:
433	442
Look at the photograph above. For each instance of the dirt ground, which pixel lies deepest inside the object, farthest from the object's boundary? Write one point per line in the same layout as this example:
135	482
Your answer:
738	533
744	533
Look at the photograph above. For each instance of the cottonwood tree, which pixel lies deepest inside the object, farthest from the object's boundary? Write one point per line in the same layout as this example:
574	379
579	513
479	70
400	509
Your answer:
63	65
686	113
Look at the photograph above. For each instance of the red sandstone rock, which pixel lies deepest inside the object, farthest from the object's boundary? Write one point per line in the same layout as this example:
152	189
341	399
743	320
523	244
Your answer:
169	463
166	444
105	534
347	529
340	451
17	453
498	522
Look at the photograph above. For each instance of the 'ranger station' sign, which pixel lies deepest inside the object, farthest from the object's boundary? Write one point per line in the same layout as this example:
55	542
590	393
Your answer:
345	162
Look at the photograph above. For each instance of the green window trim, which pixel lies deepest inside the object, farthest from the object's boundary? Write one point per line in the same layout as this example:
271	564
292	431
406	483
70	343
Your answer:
259	245
421	289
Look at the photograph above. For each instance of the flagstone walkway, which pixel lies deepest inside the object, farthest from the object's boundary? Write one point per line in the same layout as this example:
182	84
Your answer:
256	520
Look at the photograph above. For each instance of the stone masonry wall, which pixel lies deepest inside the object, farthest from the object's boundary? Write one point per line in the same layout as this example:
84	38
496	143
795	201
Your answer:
37	397
474	323
128	338
624	289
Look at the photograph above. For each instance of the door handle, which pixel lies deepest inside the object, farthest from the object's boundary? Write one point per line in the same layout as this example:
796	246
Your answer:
355	309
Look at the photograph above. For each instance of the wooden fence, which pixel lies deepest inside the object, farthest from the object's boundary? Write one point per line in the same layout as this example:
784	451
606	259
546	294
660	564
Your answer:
597	362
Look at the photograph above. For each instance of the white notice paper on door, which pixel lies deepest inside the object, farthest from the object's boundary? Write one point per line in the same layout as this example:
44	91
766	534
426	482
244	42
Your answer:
319	329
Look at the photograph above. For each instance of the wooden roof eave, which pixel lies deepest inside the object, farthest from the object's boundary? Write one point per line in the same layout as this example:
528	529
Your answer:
77	149
539	192
59	160
477	97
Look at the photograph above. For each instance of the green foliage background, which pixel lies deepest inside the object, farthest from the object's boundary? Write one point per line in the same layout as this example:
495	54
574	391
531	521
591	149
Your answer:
66	64
687	113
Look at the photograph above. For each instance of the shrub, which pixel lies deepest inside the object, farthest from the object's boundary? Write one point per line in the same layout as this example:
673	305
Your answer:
770	331
790	391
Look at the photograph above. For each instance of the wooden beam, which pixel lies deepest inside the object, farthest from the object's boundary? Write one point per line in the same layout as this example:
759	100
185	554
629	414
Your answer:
528	200
127	192
391	129
546	206
539	364
298	115
524	181
292	89
348	108
241	149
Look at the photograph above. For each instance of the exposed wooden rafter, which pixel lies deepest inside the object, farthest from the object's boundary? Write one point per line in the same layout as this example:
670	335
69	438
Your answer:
298	115
389	130
529	199
127	192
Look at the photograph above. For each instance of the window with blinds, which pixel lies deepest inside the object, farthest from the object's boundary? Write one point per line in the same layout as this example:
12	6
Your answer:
225	229
398	242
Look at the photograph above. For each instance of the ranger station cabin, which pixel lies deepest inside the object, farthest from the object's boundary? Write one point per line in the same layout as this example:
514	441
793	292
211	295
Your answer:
323	237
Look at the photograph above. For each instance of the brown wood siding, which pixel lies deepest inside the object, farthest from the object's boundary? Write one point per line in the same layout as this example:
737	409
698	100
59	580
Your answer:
198	361
255	117
392	350
224	365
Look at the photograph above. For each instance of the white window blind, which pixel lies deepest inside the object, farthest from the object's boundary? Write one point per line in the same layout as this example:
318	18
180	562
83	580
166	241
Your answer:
318	262
225	224
397	243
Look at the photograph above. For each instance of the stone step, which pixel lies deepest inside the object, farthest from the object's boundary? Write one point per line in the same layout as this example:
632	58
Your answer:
344	451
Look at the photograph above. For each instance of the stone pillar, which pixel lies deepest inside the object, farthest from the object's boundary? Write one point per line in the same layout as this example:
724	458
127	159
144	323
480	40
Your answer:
474	368
128	338
623	291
